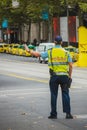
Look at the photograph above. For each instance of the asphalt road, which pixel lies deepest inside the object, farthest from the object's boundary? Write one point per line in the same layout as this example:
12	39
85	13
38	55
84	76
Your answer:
25	96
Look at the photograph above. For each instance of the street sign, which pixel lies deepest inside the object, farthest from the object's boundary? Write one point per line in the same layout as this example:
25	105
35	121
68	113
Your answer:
45	13
82	61
5	23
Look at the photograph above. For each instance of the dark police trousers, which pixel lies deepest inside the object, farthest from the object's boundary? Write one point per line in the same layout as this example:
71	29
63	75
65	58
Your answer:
55	82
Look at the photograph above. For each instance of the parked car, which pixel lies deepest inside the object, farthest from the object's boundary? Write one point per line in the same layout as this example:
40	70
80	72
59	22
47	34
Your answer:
25	53
42	48
5	46
1	48
73	52
10	48
14	49
21	51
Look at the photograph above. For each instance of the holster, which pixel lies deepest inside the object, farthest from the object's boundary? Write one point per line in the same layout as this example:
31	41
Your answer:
69	82
51	72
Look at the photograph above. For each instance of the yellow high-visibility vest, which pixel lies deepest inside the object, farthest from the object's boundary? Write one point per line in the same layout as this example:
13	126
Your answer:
58	61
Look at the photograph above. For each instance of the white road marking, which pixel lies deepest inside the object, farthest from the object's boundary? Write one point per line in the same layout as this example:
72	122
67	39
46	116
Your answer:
17	90
17	94
40	80
22	92
25	78
84	116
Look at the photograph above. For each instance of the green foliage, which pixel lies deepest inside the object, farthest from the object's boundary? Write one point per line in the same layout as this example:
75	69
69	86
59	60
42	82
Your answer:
31	10
83	6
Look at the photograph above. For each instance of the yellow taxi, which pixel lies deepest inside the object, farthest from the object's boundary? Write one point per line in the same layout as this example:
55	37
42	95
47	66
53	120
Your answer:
10	48
73	52
5	47
1	48
25	53
22	52
14	49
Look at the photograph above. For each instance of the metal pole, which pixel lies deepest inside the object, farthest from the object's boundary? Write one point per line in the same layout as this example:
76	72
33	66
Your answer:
67	21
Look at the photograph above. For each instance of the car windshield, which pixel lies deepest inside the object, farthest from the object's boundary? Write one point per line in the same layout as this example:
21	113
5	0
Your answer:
41	48
48	47
15	46
5	45
1	46
70	49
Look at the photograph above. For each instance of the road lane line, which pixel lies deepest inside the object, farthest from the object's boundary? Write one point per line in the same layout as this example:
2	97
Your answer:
25	78
24	93
22	90
24	62
35	79
83	116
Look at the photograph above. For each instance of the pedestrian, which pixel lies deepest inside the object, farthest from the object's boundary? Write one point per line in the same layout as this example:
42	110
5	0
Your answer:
34	42
60	68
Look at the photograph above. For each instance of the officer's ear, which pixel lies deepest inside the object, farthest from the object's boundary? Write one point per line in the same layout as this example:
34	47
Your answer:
55	42
61	43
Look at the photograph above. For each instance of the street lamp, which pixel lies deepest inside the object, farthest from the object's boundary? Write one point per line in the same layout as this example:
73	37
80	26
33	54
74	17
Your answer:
68	7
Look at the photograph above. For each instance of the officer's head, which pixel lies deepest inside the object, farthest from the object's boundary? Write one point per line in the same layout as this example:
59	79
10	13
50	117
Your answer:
58	40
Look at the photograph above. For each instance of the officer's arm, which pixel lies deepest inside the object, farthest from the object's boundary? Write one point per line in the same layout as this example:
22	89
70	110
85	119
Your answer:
70	69
70	65
34	53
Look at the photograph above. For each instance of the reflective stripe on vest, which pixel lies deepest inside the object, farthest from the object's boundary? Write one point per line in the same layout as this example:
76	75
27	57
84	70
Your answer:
57	63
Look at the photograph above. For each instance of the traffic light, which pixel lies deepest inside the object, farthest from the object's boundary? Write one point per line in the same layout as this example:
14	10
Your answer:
85	19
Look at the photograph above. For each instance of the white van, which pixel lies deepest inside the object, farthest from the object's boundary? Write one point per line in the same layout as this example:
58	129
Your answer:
42	48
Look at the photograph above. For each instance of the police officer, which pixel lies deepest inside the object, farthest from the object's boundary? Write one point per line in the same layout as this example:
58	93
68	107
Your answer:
60	68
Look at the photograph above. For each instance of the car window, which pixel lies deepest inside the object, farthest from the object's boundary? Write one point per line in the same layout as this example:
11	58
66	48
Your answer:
5	45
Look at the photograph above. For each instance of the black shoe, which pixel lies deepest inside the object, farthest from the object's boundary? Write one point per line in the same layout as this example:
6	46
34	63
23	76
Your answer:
69	116
52	117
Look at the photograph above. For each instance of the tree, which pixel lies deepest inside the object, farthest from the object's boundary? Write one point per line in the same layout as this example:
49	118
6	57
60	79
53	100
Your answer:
31	11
